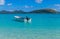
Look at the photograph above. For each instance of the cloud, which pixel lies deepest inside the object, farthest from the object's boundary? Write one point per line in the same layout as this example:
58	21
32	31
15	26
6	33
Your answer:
38	1
2	2
9	4
54	9
26	6
10	10
57	5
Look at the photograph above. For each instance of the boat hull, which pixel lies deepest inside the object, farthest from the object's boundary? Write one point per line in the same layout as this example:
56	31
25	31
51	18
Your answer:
22	19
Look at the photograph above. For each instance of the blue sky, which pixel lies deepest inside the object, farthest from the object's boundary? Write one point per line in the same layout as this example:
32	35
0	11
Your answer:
28	5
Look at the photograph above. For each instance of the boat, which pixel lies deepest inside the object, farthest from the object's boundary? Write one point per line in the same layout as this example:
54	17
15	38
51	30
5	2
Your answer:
22	19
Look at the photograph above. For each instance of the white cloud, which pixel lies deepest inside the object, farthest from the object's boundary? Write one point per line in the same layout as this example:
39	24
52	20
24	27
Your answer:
2	2
26	6
54	9
38	1
10	10
9	4
57	5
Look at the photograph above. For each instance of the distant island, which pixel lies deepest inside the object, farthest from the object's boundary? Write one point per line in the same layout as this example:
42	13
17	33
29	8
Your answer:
11	12
52	11
45	11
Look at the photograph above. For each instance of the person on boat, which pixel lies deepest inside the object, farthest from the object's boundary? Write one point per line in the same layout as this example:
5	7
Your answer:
27	18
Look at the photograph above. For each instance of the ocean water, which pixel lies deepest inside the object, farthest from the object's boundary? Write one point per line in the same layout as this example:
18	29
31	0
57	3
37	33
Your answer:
43	26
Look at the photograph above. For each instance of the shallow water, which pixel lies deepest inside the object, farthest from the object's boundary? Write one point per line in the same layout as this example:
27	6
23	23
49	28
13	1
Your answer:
43	26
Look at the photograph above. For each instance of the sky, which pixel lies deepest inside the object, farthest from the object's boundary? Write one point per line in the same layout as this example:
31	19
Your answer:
29	5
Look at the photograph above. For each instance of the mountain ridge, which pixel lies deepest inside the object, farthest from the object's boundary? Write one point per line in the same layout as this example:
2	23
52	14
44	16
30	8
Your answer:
34	11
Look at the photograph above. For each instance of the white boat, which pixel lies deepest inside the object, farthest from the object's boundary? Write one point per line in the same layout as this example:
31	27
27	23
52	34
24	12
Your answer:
19	18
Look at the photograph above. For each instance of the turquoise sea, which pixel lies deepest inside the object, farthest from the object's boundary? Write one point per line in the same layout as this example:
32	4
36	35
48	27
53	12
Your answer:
43	26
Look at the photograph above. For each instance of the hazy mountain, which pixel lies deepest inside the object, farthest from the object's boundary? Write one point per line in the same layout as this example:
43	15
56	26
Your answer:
11	12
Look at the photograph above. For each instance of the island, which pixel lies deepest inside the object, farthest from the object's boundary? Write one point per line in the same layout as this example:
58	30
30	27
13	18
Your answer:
52	11
44	11
11	12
